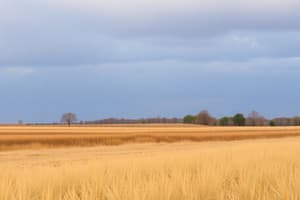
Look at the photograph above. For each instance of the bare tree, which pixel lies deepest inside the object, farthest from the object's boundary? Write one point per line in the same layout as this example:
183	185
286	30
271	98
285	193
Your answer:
205	118
295	121
282	121
68	118
255	119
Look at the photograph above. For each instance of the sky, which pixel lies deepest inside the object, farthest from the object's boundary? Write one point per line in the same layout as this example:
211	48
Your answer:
142	58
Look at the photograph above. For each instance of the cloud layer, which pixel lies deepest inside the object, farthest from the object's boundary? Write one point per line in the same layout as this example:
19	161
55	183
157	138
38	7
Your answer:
90	32
156	52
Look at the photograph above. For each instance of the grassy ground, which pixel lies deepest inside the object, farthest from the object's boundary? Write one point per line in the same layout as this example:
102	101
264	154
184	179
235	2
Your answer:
33	137
249	169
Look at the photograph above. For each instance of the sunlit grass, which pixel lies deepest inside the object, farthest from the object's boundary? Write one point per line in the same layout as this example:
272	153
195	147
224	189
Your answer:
252	170
33	137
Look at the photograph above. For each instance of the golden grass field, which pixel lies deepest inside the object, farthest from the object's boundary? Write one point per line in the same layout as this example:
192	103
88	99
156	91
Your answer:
30	137
260	169
248	169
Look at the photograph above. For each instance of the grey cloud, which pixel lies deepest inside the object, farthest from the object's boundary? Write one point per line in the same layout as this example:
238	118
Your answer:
76	33
184	18
132	18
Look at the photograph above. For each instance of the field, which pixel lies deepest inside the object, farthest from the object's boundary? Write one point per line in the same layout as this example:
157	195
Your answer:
221	166
33	137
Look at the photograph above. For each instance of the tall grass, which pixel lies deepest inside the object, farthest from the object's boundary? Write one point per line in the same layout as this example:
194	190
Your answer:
32	137
258	170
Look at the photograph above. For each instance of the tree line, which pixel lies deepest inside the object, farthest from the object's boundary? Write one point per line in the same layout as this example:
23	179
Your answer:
253	119
71	118
154	120
203	118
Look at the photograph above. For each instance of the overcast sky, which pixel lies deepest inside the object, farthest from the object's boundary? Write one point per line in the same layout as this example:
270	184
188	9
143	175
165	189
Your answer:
142	58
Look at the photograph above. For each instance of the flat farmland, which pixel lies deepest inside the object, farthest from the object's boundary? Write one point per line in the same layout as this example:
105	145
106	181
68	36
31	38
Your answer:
35	137
227	170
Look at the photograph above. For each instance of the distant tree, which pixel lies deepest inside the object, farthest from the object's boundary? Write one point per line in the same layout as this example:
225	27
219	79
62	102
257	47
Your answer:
272	123
225	121
255	119
239	120
282	121
189	119
295	121
68	118
173	120
205	118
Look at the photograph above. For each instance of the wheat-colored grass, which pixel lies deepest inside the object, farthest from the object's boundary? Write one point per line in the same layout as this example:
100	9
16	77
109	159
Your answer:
255	169
31	137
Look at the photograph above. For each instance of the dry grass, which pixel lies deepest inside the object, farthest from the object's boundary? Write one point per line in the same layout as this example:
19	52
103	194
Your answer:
31	137
260	170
